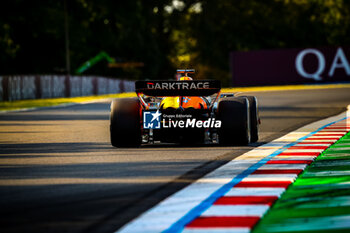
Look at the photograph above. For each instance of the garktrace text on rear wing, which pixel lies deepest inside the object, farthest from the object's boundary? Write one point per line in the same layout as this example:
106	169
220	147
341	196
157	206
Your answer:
178	88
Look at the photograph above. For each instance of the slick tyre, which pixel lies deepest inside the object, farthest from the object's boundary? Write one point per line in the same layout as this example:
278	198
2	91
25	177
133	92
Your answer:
234	115
125	127
254	118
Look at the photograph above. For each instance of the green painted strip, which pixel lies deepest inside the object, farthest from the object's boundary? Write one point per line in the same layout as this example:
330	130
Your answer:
319	199
332	168
324	202
335	156
322	181
331	163
315	202
342	144
311	224
343	149
326	173
294	195
339	151
293	211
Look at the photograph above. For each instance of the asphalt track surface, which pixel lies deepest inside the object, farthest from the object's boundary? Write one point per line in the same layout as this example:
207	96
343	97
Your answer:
58	172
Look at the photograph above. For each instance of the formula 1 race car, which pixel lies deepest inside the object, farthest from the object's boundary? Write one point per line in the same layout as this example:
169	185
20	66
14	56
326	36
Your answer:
183	111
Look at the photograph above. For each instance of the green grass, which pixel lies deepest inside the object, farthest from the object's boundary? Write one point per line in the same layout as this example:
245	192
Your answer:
23	104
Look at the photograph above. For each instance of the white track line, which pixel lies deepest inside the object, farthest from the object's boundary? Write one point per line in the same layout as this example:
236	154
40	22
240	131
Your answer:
282	166
236	210
270	177
255	192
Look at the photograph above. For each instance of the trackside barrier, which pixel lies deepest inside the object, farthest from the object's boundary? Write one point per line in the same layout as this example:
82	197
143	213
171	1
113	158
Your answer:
20	87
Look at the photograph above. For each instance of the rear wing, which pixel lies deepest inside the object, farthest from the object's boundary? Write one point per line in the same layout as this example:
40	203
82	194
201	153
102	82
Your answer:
178	88
183	71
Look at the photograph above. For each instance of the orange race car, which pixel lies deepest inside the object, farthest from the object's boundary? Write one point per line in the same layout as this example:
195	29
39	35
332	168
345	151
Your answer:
184	101
183	111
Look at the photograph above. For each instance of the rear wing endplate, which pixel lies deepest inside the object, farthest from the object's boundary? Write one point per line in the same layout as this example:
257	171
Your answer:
178	88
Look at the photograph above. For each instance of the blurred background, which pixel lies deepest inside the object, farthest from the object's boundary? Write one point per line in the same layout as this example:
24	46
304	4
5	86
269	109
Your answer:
137	39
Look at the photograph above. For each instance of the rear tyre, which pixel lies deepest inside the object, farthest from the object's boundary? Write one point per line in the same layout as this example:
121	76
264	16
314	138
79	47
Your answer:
254	118
125	127
234	115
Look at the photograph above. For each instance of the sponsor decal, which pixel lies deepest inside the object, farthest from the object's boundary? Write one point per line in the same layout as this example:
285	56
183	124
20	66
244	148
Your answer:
151	119
177	85
155	120
192	123
290	66
339	62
